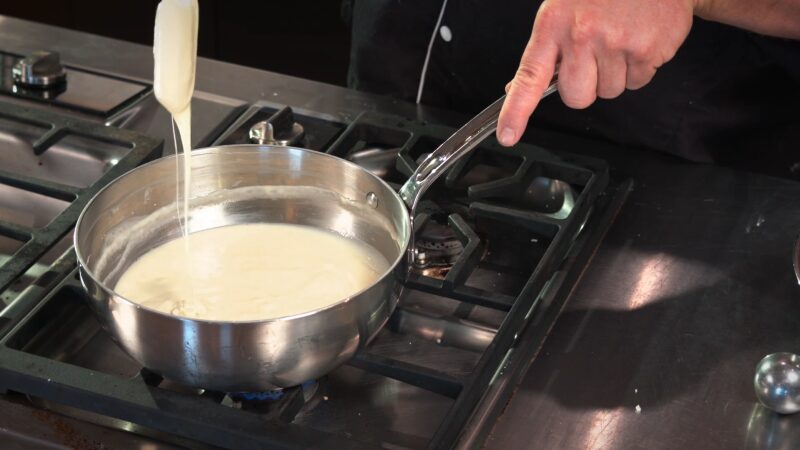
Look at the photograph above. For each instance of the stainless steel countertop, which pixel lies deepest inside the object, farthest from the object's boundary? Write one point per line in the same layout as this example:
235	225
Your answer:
691	287
658	344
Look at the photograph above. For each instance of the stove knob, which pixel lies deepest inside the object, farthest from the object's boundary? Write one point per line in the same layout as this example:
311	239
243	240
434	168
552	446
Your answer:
39	69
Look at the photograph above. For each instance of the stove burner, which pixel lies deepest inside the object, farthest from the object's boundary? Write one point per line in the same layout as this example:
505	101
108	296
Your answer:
438	248
264	396
280	129
283	404
274	394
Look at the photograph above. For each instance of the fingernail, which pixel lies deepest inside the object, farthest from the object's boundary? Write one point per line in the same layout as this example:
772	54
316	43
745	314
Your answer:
507	136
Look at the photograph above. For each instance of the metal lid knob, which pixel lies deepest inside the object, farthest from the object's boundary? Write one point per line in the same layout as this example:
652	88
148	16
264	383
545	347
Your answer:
39	69
777	382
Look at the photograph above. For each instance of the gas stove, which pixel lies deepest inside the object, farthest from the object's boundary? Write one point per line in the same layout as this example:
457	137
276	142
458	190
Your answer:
503	238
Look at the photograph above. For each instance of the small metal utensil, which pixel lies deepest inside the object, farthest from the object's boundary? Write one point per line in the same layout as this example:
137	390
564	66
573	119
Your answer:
777	382
777	379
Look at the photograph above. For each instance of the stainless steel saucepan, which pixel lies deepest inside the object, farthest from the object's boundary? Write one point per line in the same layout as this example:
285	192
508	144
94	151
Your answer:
255	184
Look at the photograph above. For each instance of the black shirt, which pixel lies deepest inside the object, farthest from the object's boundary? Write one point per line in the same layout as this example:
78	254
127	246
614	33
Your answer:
727	94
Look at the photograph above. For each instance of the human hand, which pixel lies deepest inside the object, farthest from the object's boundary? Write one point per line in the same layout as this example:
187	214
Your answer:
602	47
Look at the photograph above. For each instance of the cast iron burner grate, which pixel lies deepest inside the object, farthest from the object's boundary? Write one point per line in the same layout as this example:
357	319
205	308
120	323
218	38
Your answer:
456	346
37	241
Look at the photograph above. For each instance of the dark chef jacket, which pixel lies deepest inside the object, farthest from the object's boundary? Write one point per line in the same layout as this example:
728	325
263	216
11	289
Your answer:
727	92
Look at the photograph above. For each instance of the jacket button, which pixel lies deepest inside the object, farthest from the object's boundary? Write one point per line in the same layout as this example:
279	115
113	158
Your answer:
445	33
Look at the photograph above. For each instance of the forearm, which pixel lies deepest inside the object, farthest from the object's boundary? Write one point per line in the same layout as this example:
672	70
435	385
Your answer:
779	18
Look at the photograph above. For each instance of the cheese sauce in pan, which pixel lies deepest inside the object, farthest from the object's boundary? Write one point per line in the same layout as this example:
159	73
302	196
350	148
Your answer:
251	272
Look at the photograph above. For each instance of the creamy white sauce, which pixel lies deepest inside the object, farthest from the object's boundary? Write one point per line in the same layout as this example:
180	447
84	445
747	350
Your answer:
175	57
252	272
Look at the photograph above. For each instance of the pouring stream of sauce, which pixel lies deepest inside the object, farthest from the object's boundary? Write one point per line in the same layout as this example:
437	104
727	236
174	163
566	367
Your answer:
175	57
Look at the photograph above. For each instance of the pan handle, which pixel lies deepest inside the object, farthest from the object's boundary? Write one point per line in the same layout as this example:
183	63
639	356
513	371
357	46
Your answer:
450	151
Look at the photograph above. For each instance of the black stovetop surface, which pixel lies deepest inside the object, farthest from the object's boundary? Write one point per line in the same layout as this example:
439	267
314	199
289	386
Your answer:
507	232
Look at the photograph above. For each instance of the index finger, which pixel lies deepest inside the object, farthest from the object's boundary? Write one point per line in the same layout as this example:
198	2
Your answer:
536	69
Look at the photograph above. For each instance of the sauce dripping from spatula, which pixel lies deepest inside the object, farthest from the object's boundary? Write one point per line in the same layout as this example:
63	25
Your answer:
175	56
